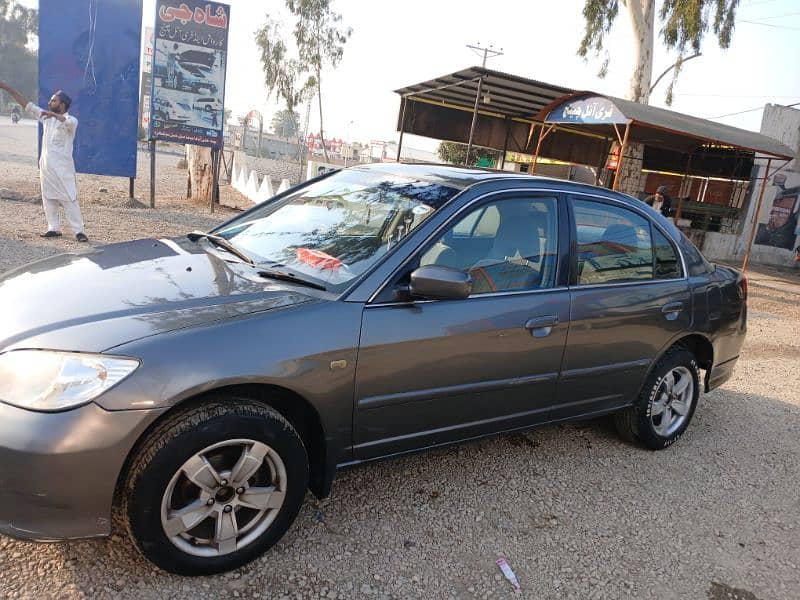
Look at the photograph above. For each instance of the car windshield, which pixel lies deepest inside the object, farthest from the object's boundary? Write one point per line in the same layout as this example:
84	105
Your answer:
334	229
184	106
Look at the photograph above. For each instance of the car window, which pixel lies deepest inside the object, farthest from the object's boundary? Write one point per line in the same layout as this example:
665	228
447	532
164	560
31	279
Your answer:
614	244
507	245
667	264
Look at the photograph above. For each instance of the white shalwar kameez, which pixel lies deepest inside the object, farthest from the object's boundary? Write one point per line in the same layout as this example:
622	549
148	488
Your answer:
57	170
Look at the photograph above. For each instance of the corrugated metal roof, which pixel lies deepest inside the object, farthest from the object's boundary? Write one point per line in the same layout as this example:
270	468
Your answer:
508	94
515	96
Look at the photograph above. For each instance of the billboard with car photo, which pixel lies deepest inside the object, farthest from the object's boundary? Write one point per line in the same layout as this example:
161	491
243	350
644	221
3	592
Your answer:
189	65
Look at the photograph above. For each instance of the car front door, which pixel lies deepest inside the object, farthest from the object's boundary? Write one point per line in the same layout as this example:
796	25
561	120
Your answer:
629	299
435	371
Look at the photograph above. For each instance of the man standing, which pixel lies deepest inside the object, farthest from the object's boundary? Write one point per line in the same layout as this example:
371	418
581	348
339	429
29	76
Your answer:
56	167
661	201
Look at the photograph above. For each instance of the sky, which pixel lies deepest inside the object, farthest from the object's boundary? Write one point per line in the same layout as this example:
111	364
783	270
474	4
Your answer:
399	43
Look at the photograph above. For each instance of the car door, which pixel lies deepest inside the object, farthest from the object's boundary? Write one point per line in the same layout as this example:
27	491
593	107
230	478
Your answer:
629	298
431	372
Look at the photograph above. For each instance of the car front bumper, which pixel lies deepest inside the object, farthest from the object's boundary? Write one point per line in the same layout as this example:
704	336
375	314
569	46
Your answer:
58	471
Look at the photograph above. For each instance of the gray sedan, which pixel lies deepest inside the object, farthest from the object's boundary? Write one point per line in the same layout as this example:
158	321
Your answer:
202	384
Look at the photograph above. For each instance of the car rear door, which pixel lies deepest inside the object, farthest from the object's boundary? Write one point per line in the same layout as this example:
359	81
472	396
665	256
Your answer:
432	372
629	298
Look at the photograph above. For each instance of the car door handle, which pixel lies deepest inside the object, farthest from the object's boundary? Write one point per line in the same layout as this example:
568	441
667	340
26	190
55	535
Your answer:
671	310
541	326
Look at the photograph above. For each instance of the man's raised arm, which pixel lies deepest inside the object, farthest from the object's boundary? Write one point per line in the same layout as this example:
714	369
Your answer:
20	99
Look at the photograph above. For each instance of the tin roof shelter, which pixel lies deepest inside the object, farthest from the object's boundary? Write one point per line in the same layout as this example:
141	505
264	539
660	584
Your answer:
513	109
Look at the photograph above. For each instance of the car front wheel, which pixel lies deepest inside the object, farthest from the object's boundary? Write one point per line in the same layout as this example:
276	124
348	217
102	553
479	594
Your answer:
214	487
666	403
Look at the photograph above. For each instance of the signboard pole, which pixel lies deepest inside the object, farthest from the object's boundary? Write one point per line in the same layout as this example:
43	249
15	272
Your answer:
152	173
130	187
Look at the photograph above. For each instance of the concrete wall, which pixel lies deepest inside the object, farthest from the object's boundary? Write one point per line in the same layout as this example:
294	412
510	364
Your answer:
783	124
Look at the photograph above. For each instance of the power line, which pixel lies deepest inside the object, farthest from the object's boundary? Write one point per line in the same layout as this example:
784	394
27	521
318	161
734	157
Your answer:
778	16
735	96
768	25
741	112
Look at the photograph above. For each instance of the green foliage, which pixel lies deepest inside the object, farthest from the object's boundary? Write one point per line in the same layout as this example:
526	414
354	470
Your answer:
684	24
319	39
285	76
455	153
18	64
286	124
318	34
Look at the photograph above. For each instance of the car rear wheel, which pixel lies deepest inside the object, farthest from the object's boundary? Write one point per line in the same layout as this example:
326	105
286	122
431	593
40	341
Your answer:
214	487
666	404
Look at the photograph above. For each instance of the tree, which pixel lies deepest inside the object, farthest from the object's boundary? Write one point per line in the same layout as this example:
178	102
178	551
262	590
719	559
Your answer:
286	124
320	40
18	64
455	153
684	24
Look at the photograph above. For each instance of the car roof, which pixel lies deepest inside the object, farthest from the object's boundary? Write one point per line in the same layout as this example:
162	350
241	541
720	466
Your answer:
464	177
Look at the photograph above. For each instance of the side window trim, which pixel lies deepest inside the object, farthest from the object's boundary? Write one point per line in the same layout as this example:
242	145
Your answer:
572	280
481	202
617	270
654	229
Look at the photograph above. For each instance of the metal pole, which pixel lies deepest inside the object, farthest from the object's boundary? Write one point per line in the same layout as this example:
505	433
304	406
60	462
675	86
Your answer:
474	120
685	177
603	159
152	173
402	123
542	134
622	150
756	213
505	144
532	170
130	187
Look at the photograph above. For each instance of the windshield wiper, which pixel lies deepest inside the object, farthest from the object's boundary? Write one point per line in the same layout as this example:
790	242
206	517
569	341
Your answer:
220	241
291	277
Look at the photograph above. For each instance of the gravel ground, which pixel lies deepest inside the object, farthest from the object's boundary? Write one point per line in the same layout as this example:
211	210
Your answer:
577	512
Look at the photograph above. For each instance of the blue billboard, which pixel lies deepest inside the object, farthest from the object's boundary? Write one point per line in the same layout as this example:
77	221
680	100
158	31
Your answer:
90	49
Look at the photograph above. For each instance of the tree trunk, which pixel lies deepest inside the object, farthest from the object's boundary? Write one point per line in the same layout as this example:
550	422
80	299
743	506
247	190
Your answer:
321	130
642	13
201	177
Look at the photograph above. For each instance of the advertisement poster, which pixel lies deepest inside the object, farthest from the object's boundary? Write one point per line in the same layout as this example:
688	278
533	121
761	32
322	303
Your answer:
90	49
189	66
781	229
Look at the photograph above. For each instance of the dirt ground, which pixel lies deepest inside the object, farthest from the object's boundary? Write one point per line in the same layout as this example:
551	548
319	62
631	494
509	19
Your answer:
577	512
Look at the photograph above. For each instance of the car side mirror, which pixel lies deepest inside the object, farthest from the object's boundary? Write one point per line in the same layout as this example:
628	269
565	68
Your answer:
440	283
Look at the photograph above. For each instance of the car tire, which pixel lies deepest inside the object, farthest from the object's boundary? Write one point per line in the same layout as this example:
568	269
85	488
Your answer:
665	405
208	108
178	505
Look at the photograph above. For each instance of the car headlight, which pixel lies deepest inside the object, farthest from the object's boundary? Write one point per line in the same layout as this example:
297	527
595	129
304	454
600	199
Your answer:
47	380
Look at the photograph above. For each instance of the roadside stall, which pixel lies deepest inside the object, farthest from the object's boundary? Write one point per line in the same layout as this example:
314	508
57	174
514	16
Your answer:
634	148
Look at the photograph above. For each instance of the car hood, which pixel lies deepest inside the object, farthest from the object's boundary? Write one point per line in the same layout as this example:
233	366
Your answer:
114	294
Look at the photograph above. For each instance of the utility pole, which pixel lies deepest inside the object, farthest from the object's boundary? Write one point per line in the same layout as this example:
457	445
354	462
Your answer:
486	52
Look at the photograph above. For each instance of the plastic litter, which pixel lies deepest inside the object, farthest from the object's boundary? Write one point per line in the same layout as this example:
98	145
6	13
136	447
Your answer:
508	572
